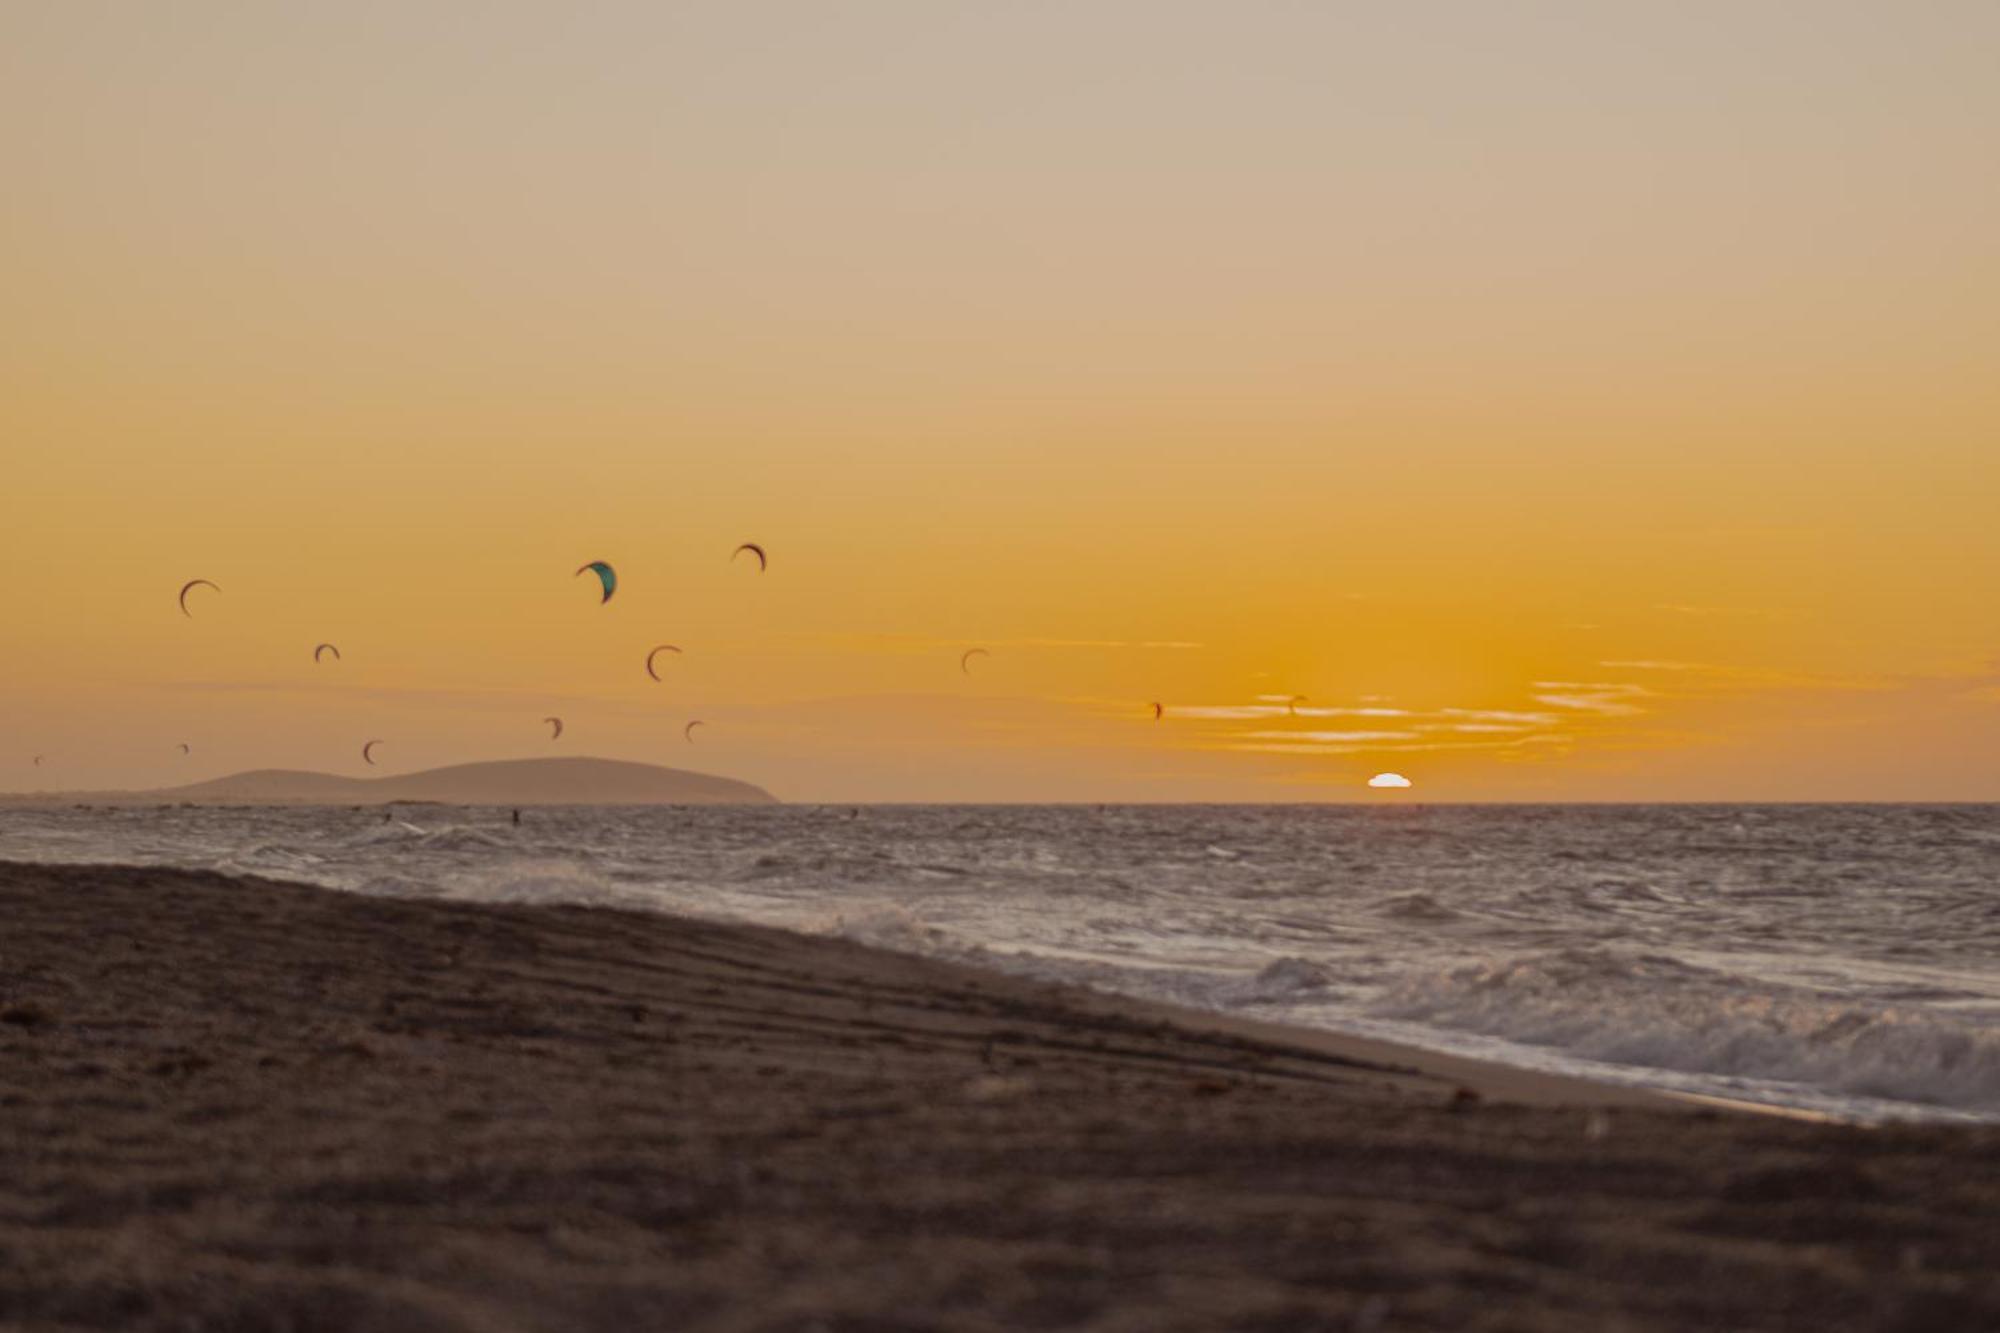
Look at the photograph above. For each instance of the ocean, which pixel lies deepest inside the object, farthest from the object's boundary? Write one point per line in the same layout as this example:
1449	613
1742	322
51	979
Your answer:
1844	960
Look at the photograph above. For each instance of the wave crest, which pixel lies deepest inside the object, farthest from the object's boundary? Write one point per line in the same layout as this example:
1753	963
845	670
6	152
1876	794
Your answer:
1653	1011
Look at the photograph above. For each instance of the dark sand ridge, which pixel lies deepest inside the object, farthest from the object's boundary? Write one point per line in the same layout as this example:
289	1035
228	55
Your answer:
238	1104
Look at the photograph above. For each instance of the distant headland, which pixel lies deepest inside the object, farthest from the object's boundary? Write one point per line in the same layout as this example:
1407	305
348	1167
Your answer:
502	782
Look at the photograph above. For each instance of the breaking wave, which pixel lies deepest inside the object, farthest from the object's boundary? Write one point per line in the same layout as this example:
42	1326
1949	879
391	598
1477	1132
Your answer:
1657	1012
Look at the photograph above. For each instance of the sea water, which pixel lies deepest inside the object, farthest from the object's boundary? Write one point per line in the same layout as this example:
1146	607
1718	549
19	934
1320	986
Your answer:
1839	959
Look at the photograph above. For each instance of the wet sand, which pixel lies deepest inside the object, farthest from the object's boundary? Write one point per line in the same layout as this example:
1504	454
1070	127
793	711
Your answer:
238	1104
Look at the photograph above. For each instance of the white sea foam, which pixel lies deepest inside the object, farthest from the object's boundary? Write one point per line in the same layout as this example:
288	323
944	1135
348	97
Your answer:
1655	1012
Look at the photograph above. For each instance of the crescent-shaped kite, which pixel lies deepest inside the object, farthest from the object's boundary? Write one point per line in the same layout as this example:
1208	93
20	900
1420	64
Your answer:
663	648
605	575
763	561
185	749
366	757
687	732
325	648
965	658
1294	702
38	761
189	587
555	722
1159	711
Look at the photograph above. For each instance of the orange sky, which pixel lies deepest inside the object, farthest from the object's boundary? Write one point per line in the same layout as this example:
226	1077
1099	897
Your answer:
1571	404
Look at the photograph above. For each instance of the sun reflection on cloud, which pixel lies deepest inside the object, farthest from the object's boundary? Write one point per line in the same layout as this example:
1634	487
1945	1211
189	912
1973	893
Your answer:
1609	698
1570	711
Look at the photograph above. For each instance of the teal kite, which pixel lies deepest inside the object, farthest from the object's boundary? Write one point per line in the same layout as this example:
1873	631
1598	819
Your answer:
605	575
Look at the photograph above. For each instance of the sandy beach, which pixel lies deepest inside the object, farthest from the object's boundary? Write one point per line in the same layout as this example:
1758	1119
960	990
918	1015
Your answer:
241	1104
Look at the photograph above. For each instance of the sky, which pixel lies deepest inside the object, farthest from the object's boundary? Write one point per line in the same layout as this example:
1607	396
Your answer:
1570	401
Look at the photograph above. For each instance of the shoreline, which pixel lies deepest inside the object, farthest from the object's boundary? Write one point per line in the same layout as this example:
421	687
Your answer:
1406	1066
237	1101
1526	1080
1494	1080
1521	1083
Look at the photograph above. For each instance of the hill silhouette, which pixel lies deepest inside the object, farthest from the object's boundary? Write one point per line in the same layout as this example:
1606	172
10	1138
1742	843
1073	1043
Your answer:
501	782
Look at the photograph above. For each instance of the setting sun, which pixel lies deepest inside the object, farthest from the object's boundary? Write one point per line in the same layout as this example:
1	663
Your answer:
1388	780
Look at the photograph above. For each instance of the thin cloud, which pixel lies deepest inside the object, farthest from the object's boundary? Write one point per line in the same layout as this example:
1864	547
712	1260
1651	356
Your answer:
1400	745
456	696
1707	674
1500	715
1438	730
1167	645
1328	737
924	643
1477	728
1602	698
1251	712
1686	609
1220	712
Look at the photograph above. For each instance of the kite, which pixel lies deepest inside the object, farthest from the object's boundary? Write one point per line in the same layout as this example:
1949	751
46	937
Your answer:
185	748
663	648
1159	711
189	587
555	722
687	732
965	658
763	561
326	648
367	757
38	761
605	575
1294	702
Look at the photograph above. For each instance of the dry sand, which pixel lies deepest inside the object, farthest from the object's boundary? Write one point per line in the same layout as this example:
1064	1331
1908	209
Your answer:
243	1105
